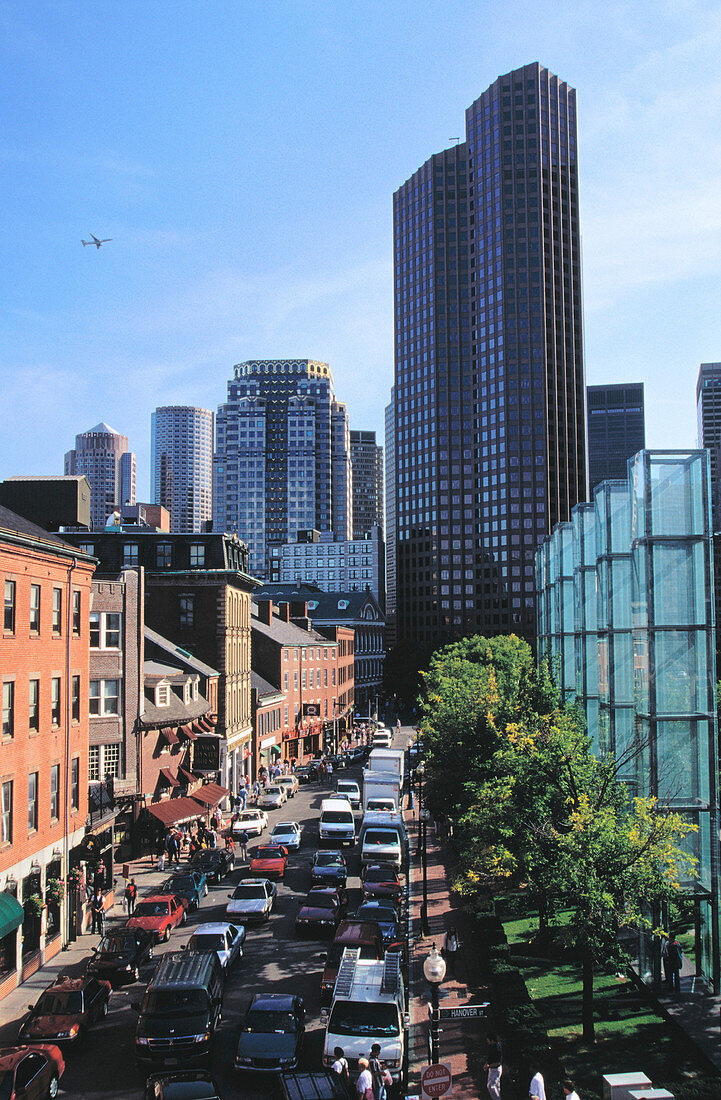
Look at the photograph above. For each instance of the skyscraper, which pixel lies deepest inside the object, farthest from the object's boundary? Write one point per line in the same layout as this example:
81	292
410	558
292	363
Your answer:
282	458
708	410
181	458
490	429
102	455
391	534
616	430
367	463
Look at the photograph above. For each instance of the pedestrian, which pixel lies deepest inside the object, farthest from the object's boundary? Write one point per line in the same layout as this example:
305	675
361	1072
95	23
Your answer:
493	1066
214	821
97	909
569	1090
374	1065
161	859
329	772
242	796
243	842
398	726
340	1066
537	1087
364	1084
675	958
131	895
450	947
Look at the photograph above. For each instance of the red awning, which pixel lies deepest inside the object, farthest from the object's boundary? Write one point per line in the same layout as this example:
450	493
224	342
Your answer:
170	735
169	777
210	794
189	775
174	811
198	727
188	731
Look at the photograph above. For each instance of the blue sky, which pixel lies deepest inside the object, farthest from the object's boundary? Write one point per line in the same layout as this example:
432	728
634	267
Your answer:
243	158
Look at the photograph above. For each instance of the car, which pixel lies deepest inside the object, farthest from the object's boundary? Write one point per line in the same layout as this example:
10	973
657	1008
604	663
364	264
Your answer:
272	797
252	900
388	919
329	869
65	1011
269	860
30	1072
225	939
191	885
188	1084
321	912
120	955
288	834
215	862
271	1037
348	788
159	914
289	782
308	773
380	880
251	822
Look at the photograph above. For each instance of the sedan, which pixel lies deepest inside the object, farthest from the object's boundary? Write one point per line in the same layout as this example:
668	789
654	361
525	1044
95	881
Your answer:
269	860
225	939
30	1073
159	915
191	885
252	900
64	1012
329	869
251	822
380	880
387	918
216	862
286	833
272	1034
307	773
289	782
187	1084
320	913
272	798
120	955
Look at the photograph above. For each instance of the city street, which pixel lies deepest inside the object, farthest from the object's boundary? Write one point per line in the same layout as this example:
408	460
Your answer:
274	962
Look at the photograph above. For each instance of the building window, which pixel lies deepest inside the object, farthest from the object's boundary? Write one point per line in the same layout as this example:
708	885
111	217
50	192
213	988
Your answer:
197	553
55	700
94	763
105	630
75	699
9	708
104	698
164	555
32	802
76	612
9	612
35	608
75	783
187	612
111	761
34	706
55	792
130	553
87	548
57	610
162	695
6	813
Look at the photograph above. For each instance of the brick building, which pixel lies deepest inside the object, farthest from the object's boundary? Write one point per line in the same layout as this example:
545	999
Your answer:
269	704
44	668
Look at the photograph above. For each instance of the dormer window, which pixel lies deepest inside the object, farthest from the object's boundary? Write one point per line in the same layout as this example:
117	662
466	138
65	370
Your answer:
195	689
162	695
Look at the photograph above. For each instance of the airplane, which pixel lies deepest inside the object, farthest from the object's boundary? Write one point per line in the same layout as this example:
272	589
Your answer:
95	241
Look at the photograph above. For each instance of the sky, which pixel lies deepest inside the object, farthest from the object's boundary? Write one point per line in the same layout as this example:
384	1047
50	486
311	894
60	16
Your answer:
243	156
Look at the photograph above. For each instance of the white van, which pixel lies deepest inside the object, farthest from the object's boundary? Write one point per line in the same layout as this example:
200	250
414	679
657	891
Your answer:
382	838
336	822
348	788
382	739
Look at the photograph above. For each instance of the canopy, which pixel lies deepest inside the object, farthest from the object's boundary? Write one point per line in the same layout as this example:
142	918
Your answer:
174	811
169	777
170	735
12	914
211	794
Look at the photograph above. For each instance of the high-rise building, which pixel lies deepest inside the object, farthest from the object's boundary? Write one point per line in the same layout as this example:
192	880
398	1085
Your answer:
708	411
616	430
282	457
490	426
390	503
367	463
102	454
181	462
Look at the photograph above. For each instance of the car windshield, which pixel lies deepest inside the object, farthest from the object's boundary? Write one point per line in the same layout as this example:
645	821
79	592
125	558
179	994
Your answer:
321	901
268	1020
175	885
166	1002
250	815
58	1004
152	909
381	836
377	912
267	853
380	876
362	1018
328	859
283	830
381	805
206	857
249	893
272	790
337	817
348	788
208	942
116	942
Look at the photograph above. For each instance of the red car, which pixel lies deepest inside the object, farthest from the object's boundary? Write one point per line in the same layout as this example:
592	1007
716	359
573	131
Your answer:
269	860
159	914
65	1010
30	1073
380	880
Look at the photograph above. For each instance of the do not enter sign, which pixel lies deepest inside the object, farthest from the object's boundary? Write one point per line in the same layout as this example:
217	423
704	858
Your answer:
436	1080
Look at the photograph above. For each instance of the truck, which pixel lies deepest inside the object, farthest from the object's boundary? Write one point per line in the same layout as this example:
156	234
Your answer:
383	838
381	785
387	760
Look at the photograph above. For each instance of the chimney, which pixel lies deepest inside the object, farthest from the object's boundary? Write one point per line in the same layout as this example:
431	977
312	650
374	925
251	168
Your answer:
265	611
284	612
299	609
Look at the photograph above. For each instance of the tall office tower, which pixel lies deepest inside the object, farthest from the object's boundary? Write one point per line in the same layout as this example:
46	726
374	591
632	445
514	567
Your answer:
282	456
490	426
367	462
102	455
181	459
616	430
390	521
708	411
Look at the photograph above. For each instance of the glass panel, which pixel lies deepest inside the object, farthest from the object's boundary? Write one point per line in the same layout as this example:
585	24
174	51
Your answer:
621	592
679	583
682	754
681	672
622	668
676	489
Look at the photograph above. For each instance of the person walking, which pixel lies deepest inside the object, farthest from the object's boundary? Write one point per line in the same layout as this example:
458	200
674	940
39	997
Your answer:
675	958
329	772
97	909
131	896
450	948
243	842
493	1066
340	1066
569	1090
374	1065
364	1084
242	795
537	1088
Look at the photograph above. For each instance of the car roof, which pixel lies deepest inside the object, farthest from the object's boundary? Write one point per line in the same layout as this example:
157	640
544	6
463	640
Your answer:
251	881
213	926
274	1000
157	897
329	852
66	984
315	890
286	825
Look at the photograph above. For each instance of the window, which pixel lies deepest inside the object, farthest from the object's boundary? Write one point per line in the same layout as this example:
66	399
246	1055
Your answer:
6	813
55	700
162	695
9	708
57	610
35	608
94	763
105	629
9	612
164	555
130	554
197	553
104	698
187	612
55	792
76	612
75	783
34	706
32	802
111	761
75	699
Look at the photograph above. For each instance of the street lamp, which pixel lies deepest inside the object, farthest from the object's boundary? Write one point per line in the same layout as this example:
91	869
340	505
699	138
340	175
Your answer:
425	929
434	971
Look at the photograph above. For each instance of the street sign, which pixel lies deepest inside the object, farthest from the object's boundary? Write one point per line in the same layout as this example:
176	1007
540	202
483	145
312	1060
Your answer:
436	1080
464	1012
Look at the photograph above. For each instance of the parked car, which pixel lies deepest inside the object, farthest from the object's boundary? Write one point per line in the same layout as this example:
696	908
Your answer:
159	914
348	788
269	860
120	955
225	939
251	822
272	797
321	912
30	1072
388	919
272	1033
65	1011
252	900
380	880
289	782
215	862
329	869
288	834
191	885
308	773
180	1012
189	1084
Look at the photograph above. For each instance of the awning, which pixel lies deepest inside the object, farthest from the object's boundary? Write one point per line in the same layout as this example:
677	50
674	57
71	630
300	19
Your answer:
174	811
12	914
188	731
170	735
169	777
189	775
211	794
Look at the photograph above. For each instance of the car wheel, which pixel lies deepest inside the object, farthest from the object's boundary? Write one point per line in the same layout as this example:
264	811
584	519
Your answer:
183	919
104	1009
166	935
205	889
53	1087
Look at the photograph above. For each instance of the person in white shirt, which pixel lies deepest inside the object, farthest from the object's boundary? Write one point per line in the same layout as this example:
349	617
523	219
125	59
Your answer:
569	1090
364	1084
537	1088
340	1066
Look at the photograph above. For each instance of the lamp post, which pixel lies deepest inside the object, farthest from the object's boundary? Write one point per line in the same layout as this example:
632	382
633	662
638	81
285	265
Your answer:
434	971
424	856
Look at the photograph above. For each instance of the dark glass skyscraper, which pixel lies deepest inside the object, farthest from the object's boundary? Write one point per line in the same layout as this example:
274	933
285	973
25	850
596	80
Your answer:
490	439
616	430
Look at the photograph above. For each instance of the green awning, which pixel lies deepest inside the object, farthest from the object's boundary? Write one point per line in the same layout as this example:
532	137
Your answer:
12	914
